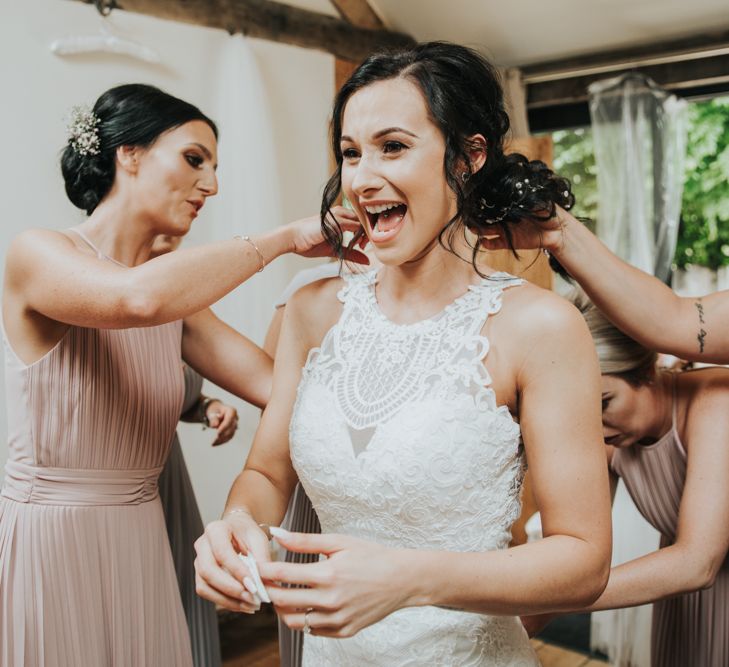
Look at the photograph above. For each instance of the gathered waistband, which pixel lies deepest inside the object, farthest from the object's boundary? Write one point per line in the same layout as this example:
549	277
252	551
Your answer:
38	485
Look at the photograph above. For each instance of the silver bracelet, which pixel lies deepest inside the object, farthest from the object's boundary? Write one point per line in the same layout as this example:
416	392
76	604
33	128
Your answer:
248	239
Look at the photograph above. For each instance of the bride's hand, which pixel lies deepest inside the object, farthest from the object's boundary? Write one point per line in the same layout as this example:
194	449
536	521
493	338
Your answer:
548	235
308	239
220	575
358	584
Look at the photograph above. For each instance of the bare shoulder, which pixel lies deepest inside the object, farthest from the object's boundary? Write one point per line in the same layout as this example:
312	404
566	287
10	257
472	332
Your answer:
533	313
315	308
707	389
34	247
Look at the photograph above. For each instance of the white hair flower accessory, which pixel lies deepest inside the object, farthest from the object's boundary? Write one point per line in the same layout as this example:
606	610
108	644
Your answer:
83	131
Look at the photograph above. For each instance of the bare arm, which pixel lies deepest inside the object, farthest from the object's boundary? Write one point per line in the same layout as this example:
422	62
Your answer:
270	343
227	358
63	284
702	537
638	303
260	494
560	418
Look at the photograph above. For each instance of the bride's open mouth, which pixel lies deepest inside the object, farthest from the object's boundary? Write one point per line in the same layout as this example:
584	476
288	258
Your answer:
385	220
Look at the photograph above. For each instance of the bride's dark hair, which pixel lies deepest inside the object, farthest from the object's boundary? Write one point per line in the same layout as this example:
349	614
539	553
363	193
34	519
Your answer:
463	93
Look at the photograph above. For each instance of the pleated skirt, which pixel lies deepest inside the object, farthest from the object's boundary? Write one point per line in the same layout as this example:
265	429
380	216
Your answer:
300	518
184	526
88	586
692	630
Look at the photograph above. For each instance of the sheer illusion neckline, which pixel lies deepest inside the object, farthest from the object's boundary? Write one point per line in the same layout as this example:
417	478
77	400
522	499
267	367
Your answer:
436	318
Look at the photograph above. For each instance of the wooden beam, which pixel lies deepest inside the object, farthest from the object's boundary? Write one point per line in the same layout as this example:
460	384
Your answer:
359	13
274	21
604	62
675	76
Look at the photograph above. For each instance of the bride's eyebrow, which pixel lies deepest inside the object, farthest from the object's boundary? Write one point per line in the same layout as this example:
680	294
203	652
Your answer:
393	130
381	133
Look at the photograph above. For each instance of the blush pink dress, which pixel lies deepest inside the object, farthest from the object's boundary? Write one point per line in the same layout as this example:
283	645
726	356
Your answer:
690	630
86	575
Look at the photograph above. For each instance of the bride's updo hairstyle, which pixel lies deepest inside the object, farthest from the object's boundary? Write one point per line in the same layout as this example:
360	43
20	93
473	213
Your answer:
128	115
463	94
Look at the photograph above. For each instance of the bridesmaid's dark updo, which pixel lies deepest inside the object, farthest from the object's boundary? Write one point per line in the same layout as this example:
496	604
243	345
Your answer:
463	94
131	115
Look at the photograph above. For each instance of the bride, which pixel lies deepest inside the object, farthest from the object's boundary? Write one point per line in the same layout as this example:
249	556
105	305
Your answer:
408	399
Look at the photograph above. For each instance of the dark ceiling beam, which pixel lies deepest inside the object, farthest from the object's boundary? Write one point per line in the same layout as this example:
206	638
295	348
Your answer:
675	76
637	56
273	21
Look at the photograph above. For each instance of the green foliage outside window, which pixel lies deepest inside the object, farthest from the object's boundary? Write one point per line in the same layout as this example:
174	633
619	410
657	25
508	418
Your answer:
703	237
574	158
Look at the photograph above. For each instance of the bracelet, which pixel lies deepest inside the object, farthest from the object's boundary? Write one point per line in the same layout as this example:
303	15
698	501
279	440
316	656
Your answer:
248	239
203	410
237	510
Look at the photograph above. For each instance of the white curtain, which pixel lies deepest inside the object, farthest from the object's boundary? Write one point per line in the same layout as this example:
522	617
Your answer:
639	135
515	100
248	202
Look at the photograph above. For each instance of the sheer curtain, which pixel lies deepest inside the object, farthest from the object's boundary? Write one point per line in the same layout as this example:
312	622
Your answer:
249	199
639	133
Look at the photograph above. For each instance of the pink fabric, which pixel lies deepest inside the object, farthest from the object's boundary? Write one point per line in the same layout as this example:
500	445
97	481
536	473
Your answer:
86	576
691	629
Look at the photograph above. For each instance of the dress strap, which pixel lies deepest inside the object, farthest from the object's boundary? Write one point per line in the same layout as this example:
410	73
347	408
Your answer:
674	407
88	242
98	252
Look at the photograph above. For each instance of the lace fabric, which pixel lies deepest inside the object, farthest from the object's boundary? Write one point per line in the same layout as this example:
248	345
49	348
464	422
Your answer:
397	438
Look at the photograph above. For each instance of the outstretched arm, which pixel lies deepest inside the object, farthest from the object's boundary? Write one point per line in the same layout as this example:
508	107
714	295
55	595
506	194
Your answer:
54	279
638	303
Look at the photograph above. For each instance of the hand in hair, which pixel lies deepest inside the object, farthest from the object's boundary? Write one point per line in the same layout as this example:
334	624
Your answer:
309	242
529	234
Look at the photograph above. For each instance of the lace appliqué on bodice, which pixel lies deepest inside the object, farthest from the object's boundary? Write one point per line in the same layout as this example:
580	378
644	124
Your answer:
397	438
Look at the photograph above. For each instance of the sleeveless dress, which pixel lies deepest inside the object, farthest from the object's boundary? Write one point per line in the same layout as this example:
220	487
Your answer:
184	526
86	575
690	629
397	438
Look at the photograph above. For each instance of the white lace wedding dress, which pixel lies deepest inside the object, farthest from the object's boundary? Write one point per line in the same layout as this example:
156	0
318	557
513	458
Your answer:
397	438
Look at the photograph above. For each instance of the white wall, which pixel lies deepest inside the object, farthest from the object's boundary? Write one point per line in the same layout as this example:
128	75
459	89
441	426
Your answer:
37	89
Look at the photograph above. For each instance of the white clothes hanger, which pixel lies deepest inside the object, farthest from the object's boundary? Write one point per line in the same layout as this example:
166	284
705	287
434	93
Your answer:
105	41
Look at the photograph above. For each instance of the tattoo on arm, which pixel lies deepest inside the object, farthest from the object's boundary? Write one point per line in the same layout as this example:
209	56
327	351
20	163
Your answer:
701	336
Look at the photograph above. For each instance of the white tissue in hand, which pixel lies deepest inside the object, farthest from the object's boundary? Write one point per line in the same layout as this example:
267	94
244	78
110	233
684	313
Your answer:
250	562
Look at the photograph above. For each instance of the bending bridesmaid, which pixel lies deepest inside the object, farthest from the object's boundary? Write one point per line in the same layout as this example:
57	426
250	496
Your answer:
666	436
94	334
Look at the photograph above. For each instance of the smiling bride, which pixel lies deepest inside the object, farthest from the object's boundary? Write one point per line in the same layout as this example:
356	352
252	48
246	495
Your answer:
407	400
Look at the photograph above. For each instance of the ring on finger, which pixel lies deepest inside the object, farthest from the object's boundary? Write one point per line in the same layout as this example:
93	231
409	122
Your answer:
307	628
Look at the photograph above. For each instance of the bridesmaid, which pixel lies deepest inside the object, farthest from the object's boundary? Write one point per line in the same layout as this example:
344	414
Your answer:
94	332
666	435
